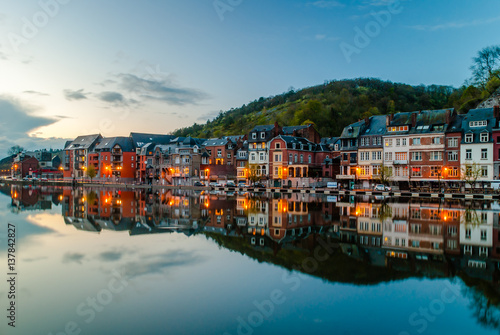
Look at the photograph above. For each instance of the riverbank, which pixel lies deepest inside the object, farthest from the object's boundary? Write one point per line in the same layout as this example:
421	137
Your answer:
326	191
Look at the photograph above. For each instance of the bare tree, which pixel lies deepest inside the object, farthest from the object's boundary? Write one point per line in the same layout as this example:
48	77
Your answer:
14	150
486	65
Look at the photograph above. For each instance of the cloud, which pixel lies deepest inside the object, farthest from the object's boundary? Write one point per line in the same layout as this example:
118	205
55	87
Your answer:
326	4
110	256
73	258
75	95
455	25
160	264
160	90
17	121
36	93
111	97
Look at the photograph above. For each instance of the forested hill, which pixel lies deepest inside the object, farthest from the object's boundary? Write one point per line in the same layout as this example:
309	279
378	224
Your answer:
334	105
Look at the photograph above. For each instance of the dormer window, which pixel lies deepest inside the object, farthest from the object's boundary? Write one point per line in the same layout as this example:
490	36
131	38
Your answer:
277	145
482	123
254	136
469	138
484	137
262	135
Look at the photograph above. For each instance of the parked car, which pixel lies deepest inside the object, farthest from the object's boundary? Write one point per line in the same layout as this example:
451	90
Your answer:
230	184
242	184
382	187
213	184
259	185
198	183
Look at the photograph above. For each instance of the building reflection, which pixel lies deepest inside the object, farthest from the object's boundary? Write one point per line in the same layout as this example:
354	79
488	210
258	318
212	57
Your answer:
406	237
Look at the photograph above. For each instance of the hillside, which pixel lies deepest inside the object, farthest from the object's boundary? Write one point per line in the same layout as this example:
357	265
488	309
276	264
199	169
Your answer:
330	106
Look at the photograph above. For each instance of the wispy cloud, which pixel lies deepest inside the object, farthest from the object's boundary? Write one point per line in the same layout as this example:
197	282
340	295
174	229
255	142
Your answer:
161	90
455	25
113	97
326	4
73	258
36	93
75	95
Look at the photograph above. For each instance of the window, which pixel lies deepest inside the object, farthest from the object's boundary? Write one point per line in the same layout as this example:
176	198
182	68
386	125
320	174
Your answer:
403	142
388	142
484	171
290	159
416	156
254	136
310	159
453	142
453	172
277	145
467	233
435	171
132	164
453	156
436	156
478	123
484	153
416	171
400	156
469	138
388	156
416	141
436	140
485	137
398	142
219	152
484	235
468	154
296	158
261	156
132	158
262	135
415	244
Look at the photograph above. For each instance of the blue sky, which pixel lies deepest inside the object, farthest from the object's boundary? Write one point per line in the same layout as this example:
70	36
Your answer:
71	67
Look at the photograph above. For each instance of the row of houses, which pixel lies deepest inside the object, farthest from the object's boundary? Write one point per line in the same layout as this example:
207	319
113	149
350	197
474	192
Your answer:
413	147
272	154
430	145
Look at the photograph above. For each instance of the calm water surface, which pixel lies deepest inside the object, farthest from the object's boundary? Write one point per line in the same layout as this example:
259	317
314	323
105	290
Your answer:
172	262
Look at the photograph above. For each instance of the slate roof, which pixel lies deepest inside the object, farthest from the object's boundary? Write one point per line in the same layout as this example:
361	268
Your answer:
268	127
290	140
107	144
290	129
84	142
401	119
455	125
216	142
139	139
356	129
429	121
482	114
376	126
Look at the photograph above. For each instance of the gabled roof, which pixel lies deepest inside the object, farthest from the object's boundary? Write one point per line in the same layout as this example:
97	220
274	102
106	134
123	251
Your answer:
216	142
376	126
290	129
429	121
401	119
139	139
268	127
84	142
482	114
353	130
66	145
108	143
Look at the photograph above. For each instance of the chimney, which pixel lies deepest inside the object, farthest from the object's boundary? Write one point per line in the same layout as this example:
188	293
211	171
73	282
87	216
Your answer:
496	112
367	119
388	119
447	116
294	133
413	120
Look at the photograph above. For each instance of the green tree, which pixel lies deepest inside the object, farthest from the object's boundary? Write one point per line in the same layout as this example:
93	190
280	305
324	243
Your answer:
385	174
252	174
91	172
470	174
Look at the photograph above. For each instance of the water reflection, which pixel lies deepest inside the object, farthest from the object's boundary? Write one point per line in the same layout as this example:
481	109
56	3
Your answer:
375	239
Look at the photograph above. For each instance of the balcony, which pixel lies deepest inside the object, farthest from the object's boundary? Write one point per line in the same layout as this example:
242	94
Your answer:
400	162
